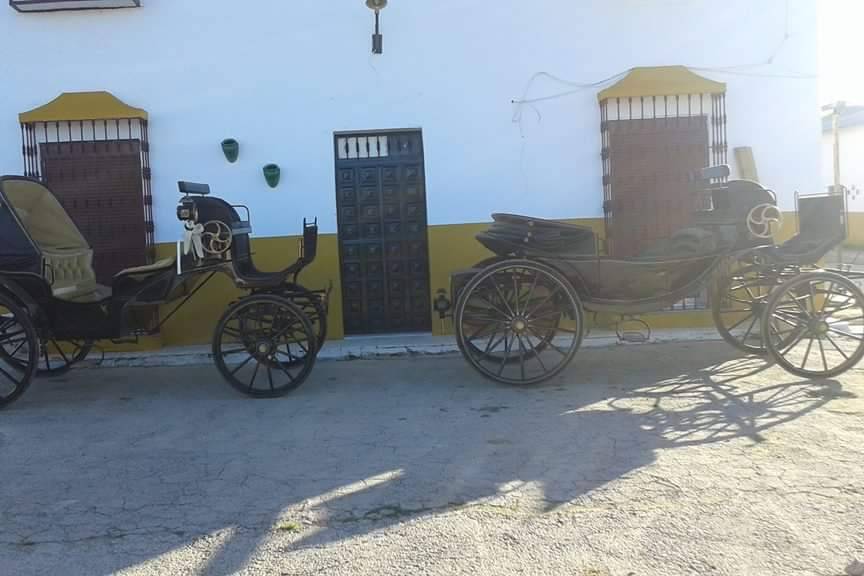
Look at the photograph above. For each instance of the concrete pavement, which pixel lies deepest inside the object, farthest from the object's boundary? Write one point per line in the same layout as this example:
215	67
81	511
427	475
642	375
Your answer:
648	460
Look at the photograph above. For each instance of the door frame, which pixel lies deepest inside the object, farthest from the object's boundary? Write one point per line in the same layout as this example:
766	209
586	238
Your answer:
337	134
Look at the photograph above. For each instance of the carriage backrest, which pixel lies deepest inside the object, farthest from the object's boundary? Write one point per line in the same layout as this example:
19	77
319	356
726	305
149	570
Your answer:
43	217
210	208
822	218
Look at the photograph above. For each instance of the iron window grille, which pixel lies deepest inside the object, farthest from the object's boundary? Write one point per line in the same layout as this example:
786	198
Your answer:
36	134
62	5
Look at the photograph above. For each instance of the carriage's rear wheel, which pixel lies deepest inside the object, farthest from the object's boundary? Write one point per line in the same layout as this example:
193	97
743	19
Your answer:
519	322
312	305
815	325
264	346
737	305
18	341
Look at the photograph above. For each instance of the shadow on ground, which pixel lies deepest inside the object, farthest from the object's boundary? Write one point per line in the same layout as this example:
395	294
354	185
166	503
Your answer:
134	463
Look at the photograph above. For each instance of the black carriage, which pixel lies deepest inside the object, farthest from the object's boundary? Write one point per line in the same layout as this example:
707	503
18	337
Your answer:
52	309
520	316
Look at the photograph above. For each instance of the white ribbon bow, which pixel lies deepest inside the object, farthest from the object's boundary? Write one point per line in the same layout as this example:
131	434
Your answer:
192	240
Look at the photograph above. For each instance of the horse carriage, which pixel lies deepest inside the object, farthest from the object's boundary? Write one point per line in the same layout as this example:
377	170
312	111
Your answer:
52	309
520	316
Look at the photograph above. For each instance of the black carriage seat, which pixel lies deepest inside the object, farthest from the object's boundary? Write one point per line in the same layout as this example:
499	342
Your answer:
515	234
246	274
822	226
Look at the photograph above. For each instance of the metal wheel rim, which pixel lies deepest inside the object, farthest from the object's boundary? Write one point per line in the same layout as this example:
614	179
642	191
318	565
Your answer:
264	346
16	335
515	329
816	325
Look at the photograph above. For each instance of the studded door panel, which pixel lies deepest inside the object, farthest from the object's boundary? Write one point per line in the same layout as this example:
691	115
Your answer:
381	202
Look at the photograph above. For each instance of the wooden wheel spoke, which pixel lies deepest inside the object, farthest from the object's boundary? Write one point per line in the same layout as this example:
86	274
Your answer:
831	340
749	330
822	352
807	353
7	336
241	365
846	334
546	299
522	352
507	345
254	375
489	302
291	377
501	295
748	316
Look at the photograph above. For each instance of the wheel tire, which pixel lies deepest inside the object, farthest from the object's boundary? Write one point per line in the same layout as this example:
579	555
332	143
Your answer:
255	329
16	329
476	313
803	309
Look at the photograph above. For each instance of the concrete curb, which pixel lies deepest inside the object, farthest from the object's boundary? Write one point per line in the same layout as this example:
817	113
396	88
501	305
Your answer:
368	348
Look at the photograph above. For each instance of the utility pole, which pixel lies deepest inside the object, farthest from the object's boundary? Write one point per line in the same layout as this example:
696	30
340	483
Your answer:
836	110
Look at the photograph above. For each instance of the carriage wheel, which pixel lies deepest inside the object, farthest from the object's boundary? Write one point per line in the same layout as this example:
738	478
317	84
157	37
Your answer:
311	304
20	347
738	303
815	325
264	346
55	357
538	345
505	314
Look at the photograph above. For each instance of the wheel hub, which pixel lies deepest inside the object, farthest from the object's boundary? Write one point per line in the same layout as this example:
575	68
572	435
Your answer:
263	349
818	327
519	325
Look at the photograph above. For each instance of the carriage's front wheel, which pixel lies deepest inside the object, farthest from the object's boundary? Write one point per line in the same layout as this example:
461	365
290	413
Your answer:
264	346
814	325
20	346
504	317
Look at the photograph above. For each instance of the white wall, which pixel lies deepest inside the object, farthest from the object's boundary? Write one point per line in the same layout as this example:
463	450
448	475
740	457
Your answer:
851	162
282	75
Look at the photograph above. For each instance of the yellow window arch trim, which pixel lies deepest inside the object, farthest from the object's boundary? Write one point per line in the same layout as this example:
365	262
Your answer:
82	106
661	81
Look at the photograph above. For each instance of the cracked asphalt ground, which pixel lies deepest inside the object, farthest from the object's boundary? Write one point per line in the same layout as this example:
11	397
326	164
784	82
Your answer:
638	460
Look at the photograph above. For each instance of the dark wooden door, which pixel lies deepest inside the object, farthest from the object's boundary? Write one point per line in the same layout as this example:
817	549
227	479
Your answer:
383	246
651	165
100	186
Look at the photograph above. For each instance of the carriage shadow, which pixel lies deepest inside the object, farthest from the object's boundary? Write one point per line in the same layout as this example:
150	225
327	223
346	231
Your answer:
369	445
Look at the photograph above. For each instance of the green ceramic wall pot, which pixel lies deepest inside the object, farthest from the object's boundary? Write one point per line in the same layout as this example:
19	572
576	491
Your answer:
272	173
231	149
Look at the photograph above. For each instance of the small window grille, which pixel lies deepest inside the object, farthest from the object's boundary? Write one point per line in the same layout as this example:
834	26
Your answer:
354	147
58	5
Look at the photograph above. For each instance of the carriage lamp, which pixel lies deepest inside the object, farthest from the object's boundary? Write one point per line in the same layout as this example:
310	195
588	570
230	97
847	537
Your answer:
377	38
442	303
